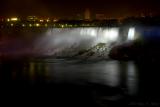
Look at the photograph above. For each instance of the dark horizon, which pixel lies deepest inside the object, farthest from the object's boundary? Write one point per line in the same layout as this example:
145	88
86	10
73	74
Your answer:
70	8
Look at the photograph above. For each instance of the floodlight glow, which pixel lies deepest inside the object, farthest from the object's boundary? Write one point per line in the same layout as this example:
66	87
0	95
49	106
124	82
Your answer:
131	34
92	32
111	34
88	32
76	38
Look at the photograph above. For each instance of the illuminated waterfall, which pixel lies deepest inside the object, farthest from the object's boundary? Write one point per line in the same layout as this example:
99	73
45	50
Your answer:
131	34
75	39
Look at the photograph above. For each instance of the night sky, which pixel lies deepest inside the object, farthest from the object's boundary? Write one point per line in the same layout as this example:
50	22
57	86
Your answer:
67	8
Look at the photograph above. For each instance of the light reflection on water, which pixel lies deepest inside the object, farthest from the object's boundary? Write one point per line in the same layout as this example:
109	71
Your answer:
110	73
132	80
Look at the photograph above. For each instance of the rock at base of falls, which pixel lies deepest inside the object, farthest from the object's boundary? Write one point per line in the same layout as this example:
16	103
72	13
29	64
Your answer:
99	51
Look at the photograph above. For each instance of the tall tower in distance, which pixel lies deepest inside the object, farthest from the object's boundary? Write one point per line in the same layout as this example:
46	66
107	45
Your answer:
87	14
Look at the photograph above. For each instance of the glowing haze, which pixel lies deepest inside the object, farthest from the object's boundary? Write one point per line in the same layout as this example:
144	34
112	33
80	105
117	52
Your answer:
56	40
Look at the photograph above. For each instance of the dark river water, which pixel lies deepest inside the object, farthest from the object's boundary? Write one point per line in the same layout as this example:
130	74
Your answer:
80	83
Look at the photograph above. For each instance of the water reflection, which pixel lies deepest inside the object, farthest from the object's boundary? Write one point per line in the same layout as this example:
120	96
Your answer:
37	71
132	79
112	73
109	73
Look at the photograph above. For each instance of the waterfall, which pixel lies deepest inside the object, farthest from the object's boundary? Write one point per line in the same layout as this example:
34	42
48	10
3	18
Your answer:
87	42
69	41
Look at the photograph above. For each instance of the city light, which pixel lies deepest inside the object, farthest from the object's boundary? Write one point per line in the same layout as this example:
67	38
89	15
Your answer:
23	25
8	20
37	25
47	20
46	25
55	20
62	26
41	20
12	24
32	18
30	25
14	19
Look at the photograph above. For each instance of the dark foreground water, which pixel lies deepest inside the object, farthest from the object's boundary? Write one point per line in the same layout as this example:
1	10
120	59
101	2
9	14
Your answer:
69	82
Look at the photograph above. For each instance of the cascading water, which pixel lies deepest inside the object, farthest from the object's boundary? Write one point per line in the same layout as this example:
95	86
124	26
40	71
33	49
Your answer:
87	42
82	42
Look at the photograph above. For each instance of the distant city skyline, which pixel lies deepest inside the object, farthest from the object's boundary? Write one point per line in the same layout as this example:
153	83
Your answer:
70	8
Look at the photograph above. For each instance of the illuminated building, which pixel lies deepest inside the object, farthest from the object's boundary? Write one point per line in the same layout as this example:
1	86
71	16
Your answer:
12	19
87	14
